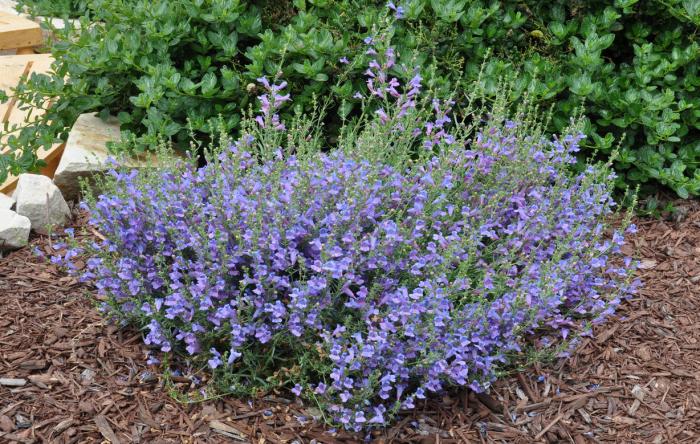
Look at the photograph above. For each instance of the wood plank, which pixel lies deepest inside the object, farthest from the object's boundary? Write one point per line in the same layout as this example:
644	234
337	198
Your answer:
8	63
12	69
18	32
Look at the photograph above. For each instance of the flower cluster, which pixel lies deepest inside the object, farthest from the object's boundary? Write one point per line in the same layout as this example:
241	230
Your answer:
403	119
270	102
397	10
363	285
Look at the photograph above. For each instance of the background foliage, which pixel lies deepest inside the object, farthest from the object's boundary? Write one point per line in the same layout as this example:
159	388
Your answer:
159	63
54	8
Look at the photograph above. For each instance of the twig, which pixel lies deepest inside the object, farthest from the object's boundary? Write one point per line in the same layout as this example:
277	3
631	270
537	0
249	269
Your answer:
96	233
489	402
534	406
105	429
549	426
527	388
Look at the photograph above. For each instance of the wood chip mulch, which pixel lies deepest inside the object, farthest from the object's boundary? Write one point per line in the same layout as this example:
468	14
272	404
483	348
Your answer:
68	376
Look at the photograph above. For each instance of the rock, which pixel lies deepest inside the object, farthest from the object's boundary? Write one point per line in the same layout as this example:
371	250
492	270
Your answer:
22	422
14	230
6	424
6	202
54	23
13	382
41	201
87	376
85	153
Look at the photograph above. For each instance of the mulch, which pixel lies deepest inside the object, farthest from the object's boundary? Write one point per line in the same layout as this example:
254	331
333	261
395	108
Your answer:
68	376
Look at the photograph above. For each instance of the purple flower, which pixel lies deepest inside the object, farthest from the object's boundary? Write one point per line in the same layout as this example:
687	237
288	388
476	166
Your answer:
383	117
394	279
270	103
398	10
215	360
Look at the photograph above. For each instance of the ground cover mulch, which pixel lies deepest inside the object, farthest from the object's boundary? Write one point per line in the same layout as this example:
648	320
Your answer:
67	376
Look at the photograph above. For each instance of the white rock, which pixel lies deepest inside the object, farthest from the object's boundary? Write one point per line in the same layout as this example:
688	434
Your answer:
54	22
41	201
14	230
57	22
85	152
6	202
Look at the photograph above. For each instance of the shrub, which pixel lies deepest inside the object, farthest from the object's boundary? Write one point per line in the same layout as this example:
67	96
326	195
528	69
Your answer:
53	8
362	285
158	64
165	68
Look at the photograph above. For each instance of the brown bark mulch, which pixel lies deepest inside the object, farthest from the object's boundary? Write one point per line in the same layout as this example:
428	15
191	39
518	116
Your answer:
68	376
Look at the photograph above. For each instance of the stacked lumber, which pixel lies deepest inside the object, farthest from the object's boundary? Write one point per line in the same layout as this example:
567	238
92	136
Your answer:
13	69
22	35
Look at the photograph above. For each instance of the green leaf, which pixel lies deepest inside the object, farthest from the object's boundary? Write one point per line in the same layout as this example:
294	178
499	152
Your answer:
112	46
581	85
558	29
188	86
208	84
345	109
124	117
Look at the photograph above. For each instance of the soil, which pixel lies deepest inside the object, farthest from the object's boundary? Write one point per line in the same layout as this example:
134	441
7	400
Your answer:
68	376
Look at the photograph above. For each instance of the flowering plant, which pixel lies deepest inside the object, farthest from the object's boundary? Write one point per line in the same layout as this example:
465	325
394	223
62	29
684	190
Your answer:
415	257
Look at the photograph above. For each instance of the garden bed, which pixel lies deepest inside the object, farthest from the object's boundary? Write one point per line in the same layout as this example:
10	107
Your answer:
636	380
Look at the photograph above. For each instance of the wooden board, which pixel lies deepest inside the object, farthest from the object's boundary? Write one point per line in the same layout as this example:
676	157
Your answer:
18	32
12	70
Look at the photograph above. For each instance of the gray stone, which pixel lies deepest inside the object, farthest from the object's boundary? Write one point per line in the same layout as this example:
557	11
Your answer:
85	153
6	202
14	230
41	201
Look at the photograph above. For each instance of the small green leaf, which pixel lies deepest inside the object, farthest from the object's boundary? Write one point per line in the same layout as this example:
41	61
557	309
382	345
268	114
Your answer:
124	117
208	84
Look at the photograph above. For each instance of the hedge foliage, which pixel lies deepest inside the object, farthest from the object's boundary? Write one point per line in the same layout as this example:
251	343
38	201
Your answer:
53	8
159	63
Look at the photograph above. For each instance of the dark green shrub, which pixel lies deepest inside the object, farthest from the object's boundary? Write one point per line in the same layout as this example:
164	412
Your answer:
633	64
